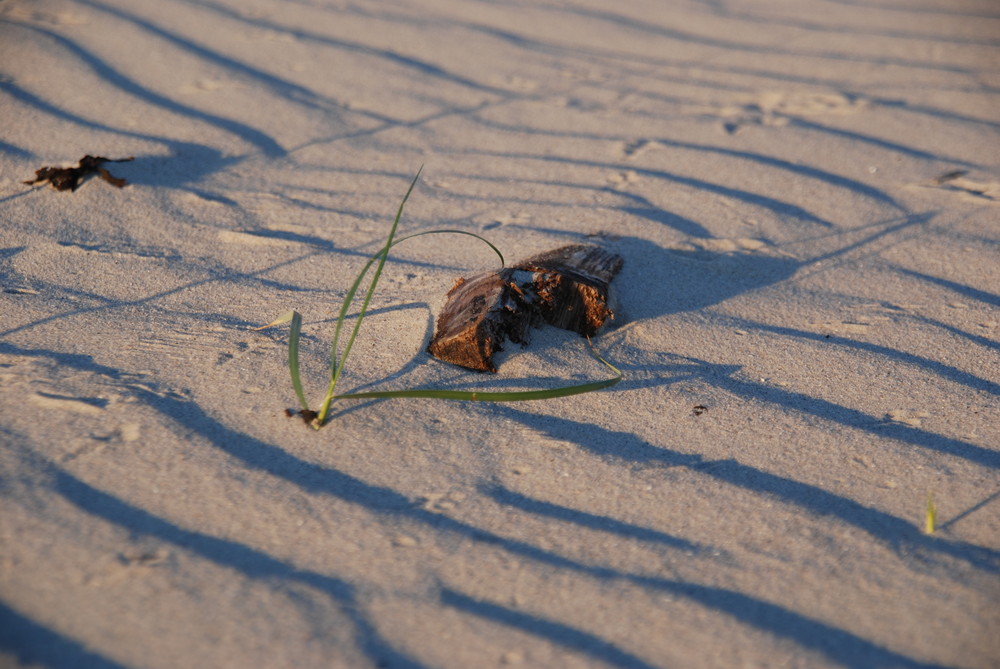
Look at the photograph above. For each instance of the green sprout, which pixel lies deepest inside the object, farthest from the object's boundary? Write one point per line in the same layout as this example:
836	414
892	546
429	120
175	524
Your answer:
930	515
338	357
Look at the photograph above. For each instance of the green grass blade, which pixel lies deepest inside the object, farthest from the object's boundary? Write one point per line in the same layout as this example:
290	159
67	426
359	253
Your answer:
496	396
293	350
475	396
280	320
379	257
449	231
336	365
293	357
930	515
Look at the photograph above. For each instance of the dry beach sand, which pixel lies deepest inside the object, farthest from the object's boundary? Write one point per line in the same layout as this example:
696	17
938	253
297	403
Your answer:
806	194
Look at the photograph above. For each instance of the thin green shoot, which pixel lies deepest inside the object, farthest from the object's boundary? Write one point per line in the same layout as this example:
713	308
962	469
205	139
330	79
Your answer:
337	367
930	515
338	357
295	331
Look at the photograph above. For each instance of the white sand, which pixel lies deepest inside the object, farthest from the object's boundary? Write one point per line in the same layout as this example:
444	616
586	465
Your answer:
769	170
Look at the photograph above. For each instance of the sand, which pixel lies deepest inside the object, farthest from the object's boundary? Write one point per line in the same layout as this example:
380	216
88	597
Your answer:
806	197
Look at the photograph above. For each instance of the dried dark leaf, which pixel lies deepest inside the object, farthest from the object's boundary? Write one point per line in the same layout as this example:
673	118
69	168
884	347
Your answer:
70	178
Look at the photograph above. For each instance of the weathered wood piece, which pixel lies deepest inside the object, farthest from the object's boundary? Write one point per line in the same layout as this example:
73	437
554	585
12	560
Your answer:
566	287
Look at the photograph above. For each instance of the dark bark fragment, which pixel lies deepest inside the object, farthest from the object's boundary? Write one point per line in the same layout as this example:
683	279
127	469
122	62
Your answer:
567	288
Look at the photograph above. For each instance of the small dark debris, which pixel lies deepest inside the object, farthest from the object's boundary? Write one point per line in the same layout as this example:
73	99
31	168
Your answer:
950	176
307	415
699	409
146	559
70	178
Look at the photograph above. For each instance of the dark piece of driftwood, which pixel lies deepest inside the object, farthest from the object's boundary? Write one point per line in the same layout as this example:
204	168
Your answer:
70	178
567	288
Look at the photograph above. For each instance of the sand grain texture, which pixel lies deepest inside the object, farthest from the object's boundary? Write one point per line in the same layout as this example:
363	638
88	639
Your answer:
805	196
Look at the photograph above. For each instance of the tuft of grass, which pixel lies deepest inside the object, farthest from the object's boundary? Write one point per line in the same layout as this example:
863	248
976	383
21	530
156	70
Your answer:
339	354
930	515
